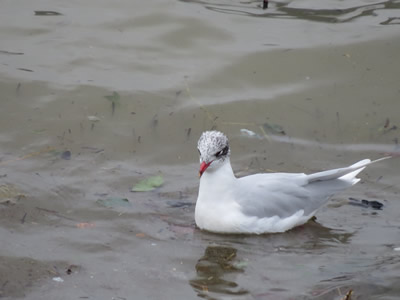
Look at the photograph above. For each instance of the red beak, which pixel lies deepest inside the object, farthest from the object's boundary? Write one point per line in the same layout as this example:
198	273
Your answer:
203	167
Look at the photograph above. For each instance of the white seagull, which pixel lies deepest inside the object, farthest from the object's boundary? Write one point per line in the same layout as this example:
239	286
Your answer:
260	203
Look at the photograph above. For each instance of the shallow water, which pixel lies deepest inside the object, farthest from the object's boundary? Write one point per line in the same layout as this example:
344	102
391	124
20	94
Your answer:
317	84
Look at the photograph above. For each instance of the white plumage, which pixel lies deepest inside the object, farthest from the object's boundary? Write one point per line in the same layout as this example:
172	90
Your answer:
260	203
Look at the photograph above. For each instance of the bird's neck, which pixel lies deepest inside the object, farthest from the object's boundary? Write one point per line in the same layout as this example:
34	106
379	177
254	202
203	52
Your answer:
220	175
216	188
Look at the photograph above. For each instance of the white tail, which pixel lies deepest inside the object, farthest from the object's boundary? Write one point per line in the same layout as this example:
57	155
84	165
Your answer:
348	173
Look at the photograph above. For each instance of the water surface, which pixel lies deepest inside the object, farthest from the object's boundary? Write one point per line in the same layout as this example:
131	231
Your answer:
317	84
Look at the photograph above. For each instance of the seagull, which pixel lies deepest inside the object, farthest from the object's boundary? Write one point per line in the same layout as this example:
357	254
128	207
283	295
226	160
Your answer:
260	203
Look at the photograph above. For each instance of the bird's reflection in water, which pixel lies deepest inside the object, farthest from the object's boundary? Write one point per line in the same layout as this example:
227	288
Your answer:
216	272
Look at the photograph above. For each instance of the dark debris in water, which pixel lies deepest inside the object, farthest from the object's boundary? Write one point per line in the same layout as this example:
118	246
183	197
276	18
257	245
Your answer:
47	13
391	21
66	155
72	269
387	127
348	295
366	203
188	132
179	204
11	52
23	218
387	123
25	69
114	99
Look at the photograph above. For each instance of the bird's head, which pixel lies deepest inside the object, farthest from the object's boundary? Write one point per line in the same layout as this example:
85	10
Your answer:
214	149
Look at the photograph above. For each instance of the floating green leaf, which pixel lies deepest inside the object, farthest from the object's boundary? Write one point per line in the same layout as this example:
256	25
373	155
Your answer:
148	184
114	202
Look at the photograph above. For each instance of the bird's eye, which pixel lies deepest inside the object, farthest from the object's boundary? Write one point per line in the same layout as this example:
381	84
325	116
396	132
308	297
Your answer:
222	152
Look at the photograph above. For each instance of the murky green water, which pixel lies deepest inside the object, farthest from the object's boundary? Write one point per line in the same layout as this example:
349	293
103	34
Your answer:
325	74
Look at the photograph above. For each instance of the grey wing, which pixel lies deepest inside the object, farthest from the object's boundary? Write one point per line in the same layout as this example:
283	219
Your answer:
284	194
278	194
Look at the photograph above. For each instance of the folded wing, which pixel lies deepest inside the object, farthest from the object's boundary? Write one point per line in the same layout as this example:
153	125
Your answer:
285	194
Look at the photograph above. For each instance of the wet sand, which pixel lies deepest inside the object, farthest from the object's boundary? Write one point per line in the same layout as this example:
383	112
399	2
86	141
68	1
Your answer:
318	93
